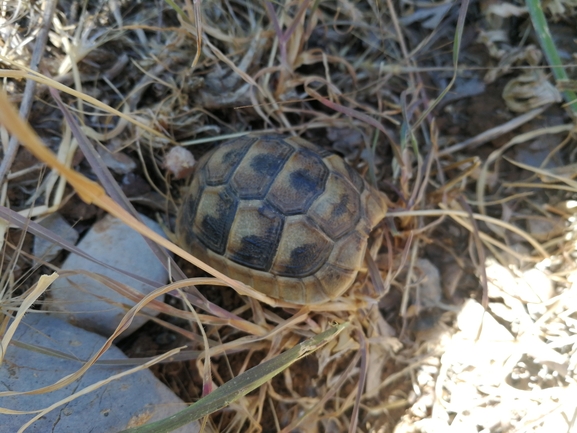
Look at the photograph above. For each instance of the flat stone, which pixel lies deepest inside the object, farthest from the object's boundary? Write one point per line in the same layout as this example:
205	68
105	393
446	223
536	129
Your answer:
89	304
129	401
55	223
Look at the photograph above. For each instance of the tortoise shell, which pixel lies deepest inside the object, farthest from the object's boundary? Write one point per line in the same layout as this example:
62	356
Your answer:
280	214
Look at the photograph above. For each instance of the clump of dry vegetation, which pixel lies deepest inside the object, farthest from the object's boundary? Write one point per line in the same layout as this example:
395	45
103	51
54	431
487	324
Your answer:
449	107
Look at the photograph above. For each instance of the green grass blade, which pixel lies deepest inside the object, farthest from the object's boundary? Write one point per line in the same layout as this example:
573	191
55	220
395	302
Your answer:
548	46
456	50
240	385
178	10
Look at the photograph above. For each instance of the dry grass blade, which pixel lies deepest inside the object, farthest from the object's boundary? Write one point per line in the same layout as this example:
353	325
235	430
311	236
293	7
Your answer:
352	113
95	386
243	384
459	214
123	325
43	284
338	383
182	355
481	258
493	133
110	184
28	96
494	156
27	74
36	229
283	37
546	173
456	50
90	192
428	101
67	380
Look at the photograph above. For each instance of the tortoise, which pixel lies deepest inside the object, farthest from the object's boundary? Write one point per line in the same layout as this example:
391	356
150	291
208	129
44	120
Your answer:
281	214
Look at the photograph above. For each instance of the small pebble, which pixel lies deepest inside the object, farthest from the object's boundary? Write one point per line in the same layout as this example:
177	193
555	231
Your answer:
180	162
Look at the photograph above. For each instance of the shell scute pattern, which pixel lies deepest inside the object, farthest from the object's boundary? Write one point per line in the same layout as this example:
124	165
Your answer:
255	235
219	168
300	182
337	214
331	276
214	217
302	250
349	255
261	165
281	214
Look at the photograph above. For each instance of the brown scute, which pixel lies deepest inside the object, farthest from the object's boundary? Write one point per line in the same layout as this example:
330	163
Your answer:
338	165
222	161
262	163
238	272
349	252
356	178
255	235
292	289
315	292
280	214
336	211
187	212
335	281
265	283
375	207
300	182
302	250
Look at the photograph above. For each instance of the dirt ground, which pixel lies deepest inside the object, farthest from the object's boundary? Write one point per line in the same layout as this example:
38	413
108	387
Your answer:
477	331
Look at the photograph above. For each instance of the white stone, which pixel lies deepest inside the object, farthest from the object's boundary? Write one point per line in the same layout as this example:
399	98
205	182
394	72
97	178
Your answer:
476	324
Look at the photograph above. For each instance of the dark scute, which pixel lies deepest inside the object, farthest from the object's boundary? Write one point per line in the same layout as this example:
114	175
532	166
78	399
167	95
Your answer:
302	181
212	233
215	230
256	251
342	207
266	164
188	209
221	163
254	177
233	155
304	261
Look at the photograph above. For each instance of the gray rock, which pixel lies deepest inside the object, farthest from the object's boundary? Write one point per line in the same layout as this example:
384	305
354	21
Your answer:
89	304
130	401
119	162
55	223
